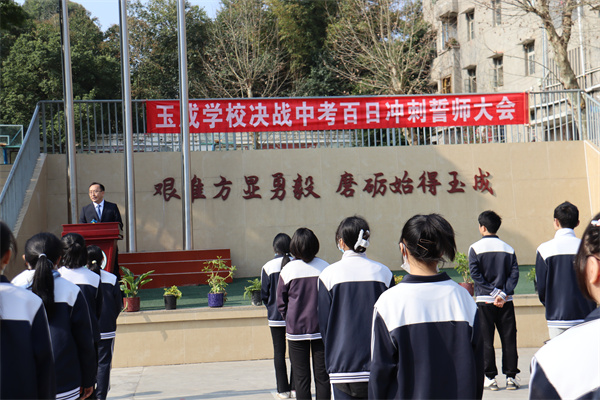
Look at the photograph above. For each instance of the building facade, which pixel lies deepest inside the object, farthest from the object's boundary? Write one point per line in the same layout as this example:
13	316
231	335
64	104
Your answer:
489	45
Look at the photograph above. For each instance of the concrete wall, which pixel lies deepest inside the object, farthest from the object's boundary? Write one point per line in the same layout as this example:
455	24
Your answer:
528	181
241	333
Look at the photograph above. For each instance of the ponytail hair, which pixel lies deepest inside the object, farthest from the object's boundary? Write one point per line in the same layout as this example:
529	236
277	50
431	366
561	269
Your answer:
75	251
42	252
429	239
94	258
350	230
281	246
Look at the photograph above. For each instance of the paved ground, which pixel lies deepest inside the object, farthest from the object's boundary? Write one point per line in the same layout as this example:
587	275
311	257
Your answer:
242	380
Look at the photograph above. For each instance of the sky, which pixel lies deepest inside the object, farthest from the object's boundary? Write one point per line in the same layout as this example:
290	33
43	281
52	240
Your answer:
107	11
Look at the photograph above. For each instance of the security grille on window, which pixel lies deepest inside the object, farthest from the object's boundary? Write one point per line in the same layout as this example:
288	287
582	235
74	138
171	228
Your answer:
529	49
470	17
498	72
496	12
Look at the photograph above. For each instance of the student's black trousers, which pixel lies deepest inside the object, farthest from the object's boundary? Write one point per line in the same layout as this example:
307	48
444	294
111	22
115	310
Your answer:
503	319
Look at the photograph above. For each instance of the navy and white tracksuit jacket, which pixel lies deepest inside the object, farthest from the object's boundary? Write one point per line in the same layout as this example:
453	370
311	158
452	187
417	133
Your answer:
72	338
425	342
112	304
556	282
297	298
27	364
348	290
89	283
568	366
501	272
269	279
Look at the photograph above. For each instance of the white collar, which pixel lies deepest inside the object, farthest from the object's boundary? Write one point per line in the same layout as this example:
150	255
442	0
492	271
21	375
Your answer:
565	232
101	204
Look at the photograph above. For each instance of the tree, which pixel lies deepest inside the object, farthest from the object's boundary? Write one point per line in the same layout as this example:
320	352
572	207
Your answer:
13	21
302	28
557	19
245	59
33	69
384	47
154	48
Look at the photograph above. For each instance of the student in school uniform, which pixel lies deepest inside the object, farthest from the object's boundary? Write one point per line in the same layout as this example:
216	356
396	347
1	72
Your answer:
68	315
26	359
568	366
556	282
348	290
112	303
297	298
75	270
425	340
495	271
269	279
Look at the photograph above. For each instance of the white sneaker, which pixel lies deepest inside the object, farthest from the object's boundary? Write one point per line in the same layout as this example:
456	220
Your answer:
293	394
512	384
283	395
490	384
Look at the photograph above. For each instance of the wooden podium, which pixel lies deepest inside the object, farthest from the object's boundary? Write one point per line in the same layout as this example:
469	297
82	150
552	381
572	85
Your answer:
102	234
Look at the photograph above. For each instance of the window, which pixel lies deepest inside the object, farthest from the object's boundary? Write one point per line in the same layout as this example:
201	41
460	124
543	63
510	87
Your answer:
529	49
471	81
470	17
498	72
448	30
447	85
496	12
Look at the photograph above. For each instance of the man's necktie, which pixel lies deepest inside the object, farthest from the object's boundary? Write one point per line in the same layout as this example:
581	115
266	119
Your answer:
99	212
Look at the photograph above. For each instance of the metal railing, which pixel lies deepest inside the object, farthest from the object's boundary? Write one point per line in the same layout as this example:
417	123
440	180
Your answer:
554	116
15	187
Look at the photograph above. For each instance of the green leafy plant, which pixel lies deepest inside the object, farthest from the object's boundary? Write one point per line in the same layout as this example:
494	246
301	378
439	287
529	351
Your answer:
173	291
130	285
254	285
462	266
218	282
398	279
531	275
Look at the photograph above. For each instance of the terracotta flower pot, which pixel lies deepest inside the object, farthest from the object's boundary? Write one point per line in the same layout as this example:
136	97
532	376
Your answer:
131	304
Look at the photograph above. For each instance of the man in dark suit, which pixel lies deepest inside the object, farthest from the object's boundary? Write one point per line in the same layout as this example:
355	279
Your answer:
101	211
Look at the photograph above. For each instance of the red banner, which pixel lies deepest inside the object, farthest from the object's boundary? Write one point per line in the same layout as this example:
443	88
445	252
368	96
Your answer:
331	113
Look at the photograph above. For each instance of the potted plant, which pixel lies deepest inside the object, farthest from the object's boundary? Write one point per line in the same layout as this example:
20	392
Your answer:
130	285
218	272
171	296
462	267
253	292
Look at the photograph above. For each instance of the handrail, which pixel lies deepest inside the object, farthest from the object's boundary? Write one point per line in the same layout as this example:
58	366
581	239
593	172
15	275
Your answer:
15	187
